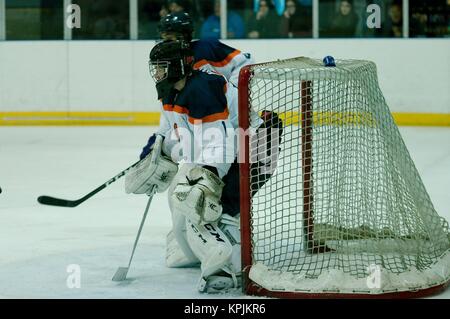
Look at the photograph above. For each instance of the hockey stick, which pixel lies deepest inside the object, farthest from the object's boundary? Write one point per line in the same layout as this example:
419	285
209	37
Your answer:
121	273
53	201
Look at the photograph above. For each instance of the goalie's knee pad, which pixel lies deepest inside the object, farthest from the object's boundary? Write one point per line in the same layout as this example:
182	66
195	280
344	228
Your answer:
217	246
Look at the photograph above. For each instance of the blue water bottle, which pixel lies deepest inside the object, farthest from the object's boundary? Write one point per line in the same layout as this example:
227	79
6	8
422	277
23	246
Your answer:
329	61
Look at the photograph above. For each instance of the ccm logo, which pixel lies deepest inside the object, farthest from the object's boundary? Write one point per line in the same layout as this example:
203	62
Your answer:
213	232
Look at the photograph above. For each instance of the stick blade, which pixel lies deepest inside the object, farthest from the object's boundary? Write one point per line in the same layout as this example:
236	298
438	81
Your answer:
53	201
121	274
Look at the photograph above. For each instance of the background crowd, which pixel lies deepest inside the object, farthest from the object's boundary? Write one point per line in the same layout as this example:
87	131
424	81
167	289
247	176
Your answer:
253	19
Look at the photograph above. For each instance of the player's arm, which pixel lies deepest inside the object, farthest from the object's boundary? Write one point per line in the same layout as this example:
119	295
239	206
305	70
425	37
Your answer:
211	54
164	130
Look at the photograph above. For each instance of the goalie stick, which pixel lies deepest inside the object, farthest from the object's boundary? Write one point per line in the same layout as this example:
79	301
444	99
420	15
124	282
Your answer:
53	201
121	272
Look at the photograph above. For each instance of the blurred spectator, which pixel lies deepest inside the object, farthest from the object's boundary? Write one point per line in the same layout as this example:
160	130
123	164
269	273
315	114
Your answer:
211	27
178	6
429	19
440	20
417	24
263	23
33	20
395	23
279	6
194	8
150	12
296	21
109	22
344	24
163	11
392	27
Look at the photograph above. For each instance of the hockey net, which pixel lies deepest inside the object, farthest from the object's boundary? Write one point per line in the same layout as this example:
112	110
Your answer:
344	211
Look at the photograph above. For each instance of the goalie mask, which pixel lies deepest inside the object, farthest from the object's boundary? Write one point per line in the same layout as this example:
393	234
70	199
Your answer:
170	61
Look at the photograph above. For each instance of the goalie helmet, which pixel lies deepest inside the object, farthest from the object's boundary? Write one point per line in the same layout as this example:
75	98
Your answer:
178	23
170	61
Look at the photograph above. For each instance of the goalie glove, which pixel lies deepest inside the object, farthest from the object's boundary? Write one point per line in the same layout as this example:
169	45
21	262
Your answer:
154	170
198	196
148	147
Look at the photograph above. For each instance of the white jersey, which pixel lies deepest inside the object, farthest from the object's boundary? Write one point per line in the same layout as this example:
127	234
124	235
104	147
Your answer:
213	55
198	122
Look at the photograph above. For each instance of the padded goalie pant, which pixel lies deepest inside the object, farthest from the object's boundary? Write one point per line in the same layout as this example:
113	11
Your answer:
267	142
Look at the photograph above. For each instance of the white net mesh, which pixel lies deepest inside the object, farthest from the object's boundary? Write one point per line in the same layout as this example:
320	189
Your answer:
345	197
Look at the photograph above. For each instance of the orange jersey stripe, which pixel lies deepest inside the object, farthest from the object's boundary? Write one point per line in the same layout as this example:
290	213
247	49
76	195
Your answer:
209	118
176	109
222	63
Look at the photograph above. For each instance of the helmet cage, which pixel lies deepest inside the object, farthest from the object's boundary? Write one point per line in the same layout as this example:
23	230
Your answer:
159	70
172	70
170	61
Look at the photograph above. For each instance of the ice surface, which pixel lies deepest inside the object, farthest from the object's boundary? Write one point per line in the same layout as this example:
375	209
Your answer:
38	243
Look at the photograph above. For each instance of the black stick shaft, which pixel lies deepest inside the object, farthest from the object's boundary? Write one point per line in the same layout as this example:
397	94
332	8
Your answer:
53	201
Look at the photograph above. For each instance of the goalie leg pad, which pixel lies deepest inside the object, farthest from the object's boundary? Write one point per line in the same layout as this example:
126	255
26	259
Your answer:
178	252
231	228
220	259
176	257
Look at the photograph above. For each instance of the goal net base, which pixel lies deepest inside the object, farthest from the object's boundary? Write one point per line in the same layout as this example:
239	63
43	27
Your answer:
378	281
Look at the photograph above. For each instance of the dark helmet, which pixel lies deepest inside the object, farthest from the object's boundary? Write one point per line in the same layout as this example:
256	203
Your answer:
179	23
170	61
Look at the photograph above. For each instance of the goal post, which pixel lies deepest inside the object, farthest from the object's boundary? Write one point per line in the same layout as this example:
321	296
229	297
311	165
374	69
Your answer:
345	212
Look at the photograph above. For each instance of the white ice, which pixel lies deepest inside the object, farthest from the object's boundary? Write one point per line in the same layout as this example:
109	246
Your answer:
38	243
